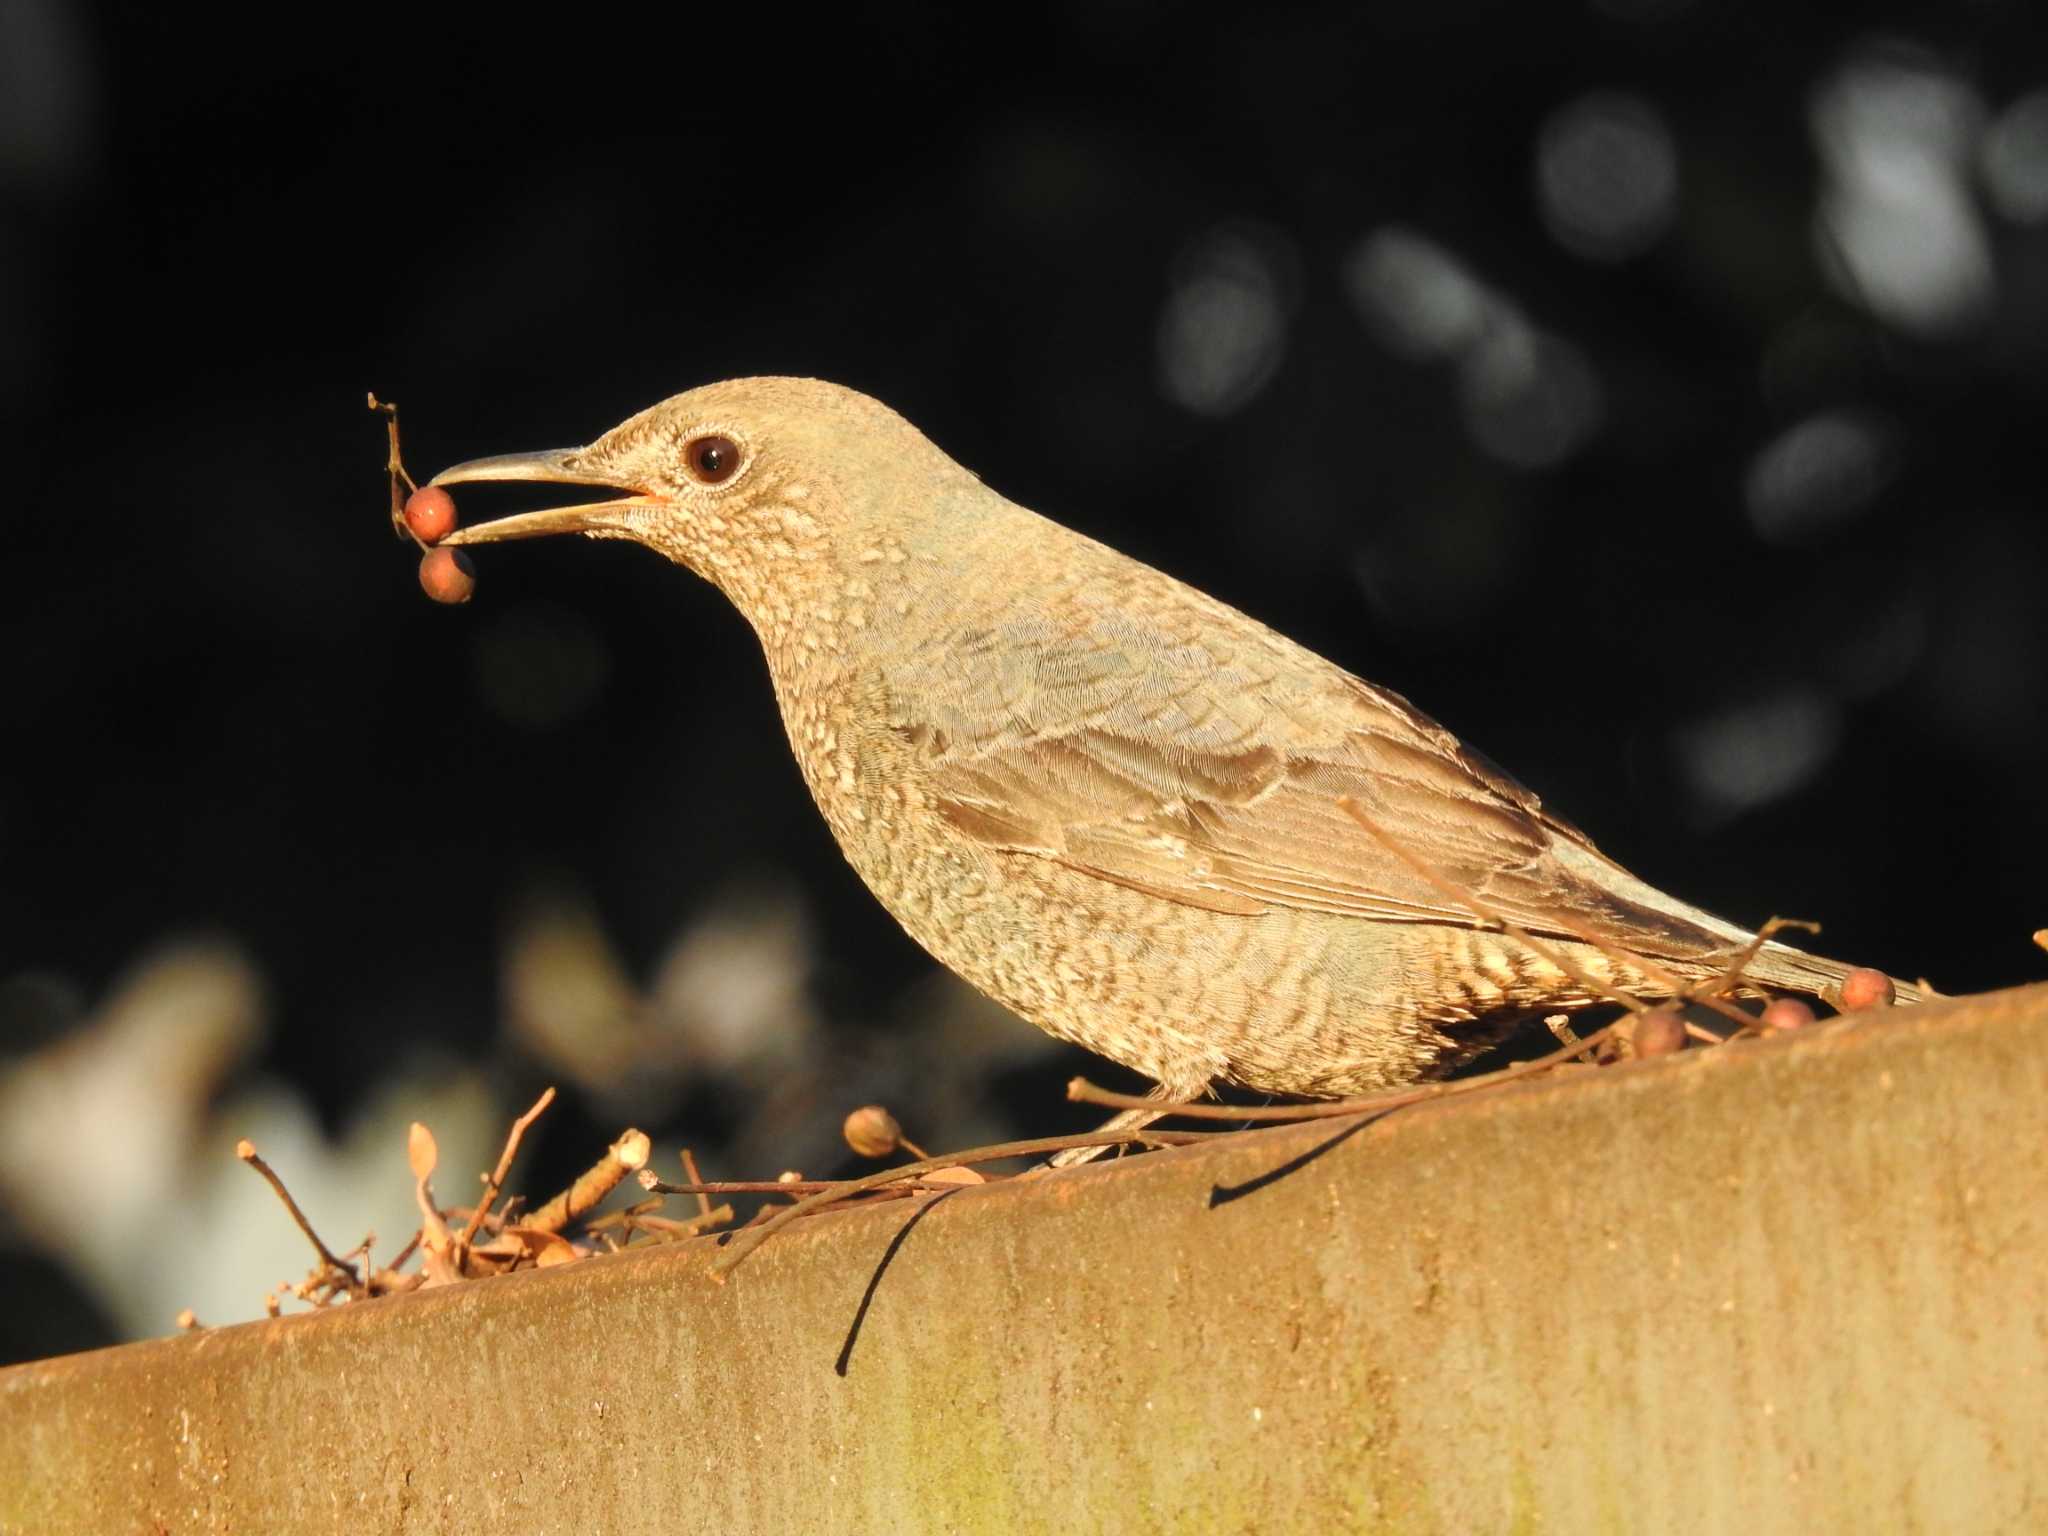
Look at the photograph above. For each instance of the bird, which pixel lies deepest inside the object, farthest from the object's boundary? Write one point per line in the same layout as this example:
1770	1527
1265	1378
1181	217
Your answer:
1115	804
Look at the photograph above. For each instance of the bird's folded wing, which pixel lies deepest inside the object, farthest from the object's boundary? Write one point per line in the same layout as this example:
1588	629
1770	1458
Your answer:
1211	777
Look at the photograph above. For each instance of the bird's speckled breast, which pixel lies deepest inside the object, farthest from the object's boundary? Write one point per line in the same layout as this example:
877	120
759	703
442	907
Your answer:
1285	1001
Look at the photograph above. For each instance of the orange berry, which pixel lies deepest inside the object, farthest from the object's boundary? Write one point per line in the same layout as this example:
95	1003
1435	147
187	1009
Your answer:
1786	1013
1659	1032
1864	988
447	576
430	514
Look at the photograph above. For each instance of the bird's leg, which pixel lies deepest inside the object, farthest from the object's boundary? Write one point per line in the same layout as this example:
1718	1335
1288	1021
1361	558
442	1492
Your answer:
1122	1120
1130	1120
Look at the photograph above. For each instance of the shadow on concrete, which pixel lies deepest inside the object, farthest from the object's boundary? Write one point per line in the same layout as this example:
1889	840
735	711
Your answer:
874	1281
1223	1194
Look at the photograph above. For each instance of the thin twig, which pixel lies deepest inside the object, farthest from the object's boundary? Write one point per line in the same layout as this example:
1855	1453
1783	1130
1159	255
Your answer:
395	471
705	1188
750	1238
667	1229
624	1156
620	1215
703	1197
497	1179
1732	976
246	1151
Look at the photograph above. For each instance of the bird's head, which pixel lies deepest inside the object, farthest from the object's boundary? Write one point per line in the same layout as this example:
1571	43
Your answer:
755	484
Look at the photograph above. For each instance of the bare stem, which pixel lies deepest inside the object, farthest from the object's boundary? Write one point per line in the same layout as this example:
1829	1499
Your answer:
1732	976
497	1179
394	469
667	1228
624	1156
704	1189
750	1238
690	1167
246	1151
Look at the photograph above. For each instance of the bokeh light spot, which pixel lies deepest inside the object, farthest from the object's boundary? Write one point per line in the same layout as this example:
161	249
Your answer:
1224	329
2014	160
1754	753
1416	297
1897	230
1816	474
1607	176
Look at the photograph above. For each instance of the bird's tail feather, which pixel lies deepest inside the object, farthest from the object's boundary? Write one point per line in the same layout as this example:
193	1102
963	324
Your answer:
1780	965
1773	965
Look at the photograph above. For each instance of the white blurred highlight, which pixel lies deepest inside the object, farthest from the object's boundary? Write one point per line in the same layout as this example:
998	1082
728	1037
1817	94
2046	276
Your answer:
731	994
1607	176
1530	399
1897	229
2013	160
1816	474
116	1155
1224	329
1755	753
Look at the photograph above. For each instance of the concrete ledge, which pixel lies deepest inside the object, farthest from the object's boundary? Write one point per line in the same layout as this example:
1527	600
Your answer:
1792	1286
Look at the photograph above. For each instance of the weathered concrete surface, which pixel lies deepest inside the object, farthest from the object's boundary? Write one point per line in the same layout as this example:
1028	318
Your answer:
1795	1286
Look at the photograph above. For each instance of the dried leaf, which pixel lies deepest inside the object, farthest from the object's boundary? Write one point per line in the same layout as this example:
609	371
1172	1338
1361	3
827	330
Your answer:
421	1151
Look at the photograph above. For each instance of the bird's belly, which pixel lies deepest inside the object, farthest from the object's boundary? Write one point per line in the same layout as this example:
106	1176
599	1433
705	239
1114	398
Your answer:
1285	1002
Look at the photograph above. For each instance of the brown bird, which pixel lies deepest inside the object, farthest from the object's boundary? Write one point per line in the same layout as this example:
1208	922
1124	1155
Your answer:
1105	799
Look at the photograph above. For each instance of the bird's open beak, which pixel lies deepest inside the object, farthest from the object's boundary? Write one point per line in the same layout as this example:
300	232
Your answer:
616	516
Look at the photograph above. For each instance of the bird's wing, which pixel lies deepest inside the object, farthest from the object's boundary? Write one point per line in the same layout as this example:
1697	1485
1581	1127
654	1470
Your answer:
1201	759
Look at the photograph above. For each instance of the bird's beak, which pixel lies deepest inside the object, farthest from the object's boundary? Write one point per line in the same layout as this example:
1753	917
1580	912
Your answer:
556	467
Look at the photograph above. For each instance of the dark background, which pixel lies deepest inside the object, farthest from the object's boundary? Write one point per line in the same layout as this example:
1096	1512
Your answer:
1651	391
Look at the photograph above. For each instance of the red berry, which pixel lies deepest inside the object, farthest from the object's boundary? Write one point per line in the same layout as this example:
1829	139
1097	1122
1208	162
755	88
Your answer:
447	576
1864	988
1786	1013
430	514
1659	1032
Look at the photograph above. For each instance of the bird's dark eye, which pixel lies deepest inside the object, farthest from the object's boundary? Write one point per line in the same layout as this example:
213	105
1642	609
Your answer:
712	459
